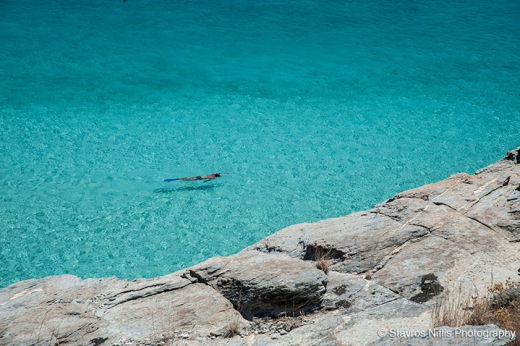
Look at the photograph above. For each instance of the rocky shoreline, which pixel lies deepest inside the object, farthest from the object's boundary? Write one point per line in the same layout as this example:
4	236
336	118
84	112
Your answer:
344	281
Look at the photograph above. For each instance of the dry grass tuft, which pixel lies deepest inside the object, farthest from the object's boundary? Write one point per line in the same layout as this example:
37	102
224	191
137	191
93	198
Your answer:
501	307
322	260
323	264
232	329
452	309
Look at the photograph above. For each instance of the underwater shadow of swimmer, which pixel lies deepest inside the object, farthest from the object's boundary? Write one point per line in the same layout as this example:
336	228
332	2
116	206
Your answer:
187	188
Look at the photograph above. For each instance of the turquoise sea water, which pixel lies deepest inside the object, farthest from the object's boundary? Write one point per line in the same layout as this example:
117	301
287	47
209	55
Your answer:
316	108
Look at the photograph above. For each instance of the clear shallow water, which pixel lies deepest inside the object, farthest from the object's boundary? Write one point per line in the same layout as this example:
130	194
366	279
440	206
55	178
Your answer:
316	108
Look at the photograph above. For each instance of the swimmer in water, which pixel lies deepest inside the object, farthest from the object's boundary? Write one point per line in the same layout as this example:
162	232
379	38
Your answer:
198	177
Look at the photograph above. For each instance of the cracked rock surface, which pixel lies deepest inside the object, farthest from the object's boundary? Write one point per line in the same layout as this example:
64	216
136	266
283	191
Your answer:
337	281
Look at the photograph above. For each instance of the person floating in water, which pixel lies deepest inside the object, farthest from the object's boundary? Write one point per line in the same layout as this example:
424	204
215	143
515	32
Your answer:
198	177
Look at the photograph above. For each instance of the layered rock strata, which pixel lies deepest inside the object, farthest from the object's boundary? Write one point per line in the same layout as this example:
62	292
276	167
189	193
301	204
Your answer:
337	281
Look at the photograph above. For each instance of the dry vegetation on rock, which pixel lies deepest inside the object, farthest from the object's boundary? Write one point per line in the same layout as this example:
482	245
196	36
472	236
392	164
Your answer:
232	329
322	260
501	306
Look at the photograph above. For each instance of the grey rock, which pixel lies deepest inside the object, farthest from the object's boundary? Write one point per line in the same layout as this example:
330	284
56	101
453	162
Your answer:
370	235
355	293
159	306
191	310
259	284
